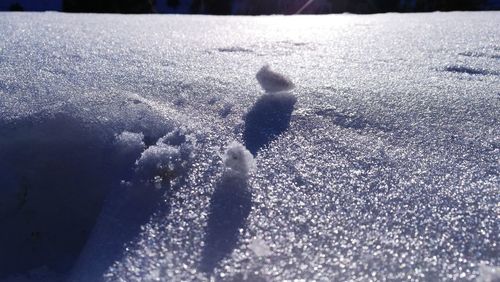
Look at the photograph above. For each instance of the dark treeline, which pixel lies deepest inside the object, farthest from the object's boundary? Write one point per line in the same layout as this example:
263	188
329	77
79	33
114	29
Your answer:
380	6
255	7
108	6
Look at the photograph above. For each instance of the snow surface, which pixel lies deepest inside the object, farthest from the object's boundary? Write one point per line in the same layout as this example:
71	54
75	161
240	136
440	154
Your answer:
117	153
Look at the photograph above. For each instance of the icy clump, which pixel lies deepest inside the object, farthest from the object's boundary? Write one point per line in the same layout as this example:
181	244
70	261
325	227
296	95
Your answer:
238	159
160	159
168	158
272	81
130	141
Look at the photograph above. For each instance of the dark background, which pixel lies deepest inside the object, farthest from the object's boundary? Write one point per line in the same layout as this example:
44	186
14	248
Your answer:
247	7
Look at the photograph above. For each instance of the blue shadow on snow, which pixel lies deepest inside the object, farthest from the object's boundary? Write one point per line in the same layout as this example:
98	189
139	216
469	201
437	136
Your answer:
267	119
229	208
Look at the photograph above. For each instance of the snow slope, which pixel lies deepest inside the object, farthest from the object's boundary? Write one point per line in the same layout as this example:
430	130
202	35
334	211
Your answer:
147	147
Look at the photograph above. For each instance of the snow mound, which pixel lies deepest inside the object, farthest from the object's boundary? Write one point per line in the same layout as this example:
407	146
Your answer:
272	81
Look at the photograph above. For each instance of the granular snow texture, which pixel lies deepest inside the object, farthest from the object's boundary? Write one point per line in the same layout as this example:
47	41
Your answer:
378	159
